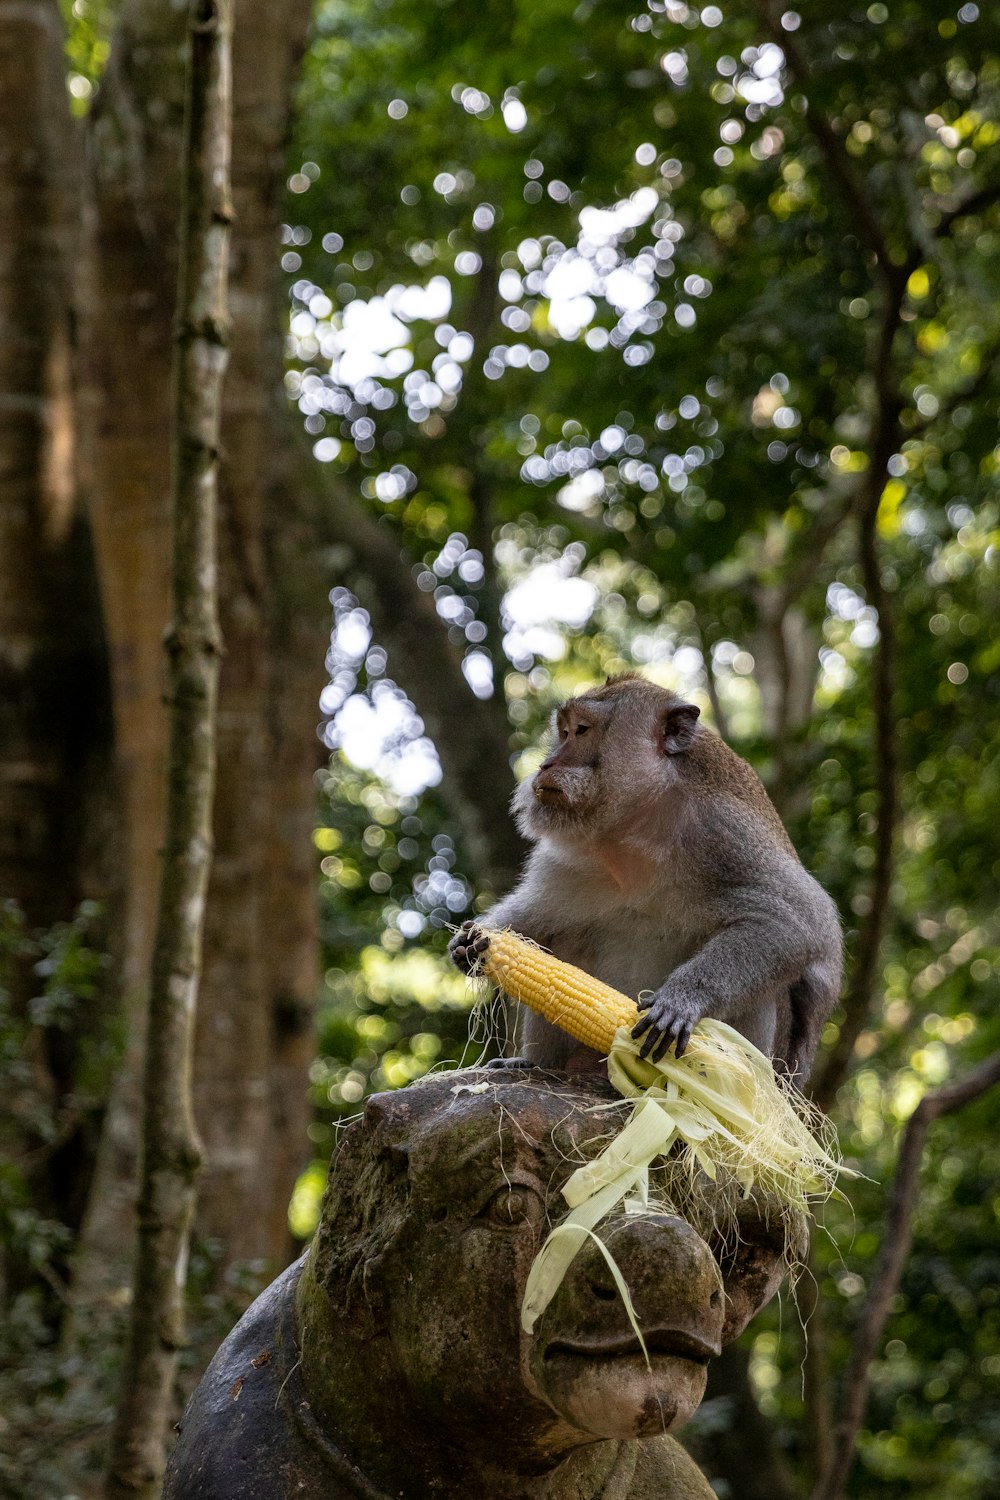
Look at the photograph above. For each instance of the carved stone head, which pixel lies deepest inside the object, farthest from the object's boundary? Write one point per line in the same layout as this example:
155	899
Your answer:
393	1361
436	1208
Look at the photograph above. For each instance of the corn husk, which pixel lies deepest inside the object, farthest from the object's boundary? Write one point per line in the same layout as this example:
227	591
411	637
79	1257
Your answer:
722	1113
718	1112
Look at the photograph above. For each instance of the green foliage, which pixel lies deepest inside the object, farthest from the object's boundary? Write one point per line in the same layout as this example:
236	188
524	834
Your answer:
88	43
760	297
51	1402
32	1122
387	880
776	256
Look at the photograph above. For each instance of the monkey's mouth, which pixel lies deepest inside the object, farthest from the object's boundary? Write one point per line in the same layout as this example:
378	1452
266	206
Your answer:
550	796
669	1343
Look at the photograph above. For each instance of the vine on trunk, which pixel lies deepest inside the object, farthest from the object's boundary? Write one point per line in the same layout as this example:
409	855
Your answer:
171	1155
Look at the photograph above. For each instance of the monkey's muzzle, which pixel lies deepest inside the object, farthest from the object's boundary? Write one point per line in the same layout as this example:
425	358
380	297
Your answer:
548	788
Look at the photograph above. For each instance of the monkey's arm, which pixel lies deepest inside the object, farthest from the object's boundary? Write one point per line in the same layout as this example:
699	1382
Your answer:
763	944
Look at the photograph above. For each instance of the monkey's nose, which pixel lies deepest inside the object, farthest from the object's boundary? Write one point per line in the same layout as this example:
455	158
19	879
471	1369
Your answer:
548	773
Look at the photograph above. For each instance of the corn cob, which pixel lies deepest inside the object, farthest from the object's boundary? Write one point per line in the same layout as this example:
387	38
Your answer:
582	1006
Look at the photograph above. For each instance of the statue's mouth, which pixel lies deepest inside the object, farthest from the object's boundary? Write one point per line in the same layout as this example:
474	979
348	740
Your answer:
670	1343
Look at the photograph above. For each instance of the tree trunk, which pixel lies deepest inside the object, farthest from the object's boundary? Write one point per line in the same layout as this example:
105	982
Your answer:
36	493
741	1449
57	808
253	1038
171	1153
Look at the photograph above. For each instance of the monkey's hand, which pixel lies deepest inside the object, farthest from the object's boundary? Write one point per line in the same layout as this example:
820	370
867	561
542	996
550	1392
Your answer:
670	1017
467	947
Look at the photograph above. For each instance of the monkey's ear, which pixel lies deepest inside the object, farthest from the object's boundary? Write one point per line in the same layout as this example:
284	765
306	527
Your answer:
677	727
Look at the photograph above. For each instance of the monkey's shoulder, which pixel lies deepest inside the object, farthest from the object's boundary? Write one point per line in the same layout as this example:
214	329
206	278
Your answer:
718	775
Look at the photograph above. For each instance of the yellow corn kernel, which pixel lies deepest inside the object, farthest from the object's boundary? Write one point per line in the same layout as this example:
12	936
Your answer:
582	1006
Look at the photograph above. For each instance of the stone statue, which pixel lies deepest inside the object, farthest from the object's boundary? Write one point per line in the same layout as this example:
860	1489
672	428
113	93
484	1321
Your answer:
390	1360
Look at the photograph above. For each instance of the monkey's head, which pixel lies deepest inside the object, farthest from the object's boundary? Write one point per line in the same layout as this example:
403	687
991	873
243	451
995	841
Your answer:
618	751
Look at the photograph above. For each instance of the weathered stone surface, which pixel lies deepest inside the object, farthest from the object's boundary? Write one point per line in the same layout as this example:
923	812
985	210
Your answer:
390	1360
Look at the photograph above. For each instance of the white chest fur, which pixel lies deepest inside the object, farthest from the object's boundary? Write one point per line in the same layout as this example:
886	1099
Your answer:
625	930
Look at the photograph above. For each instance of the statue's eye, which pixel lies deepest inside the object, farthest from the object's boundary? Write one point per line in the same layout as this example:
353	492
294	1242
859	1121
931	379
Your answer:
512	1205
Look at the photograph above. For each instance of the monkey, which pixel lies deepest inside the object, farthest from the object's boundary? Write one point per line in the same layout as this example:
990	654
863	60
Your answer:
661	866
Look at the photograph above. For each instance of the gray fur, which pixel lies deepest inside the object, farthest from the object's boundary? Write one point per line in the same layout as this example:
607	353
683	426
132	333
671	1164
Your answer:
665	872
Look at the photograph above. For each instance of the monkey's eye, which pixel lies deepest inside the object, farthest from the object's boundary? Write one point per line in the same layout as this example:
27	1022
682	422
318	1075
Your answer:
582	728
512	1205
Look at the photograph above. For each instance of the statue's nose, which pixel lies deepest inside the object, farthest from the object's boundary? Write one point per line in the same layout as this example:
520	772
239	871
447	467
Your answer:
672	1277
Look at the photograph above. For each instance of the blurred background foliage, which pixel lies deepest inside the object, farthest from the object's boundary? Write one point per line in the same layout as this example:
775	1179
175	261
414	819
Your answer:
668	338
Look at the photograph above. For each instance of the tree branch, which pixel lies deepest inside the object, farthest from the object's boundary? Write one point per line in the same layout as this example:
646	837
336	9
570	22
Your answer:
711	684
896	1242
812	549
474	409
885	441
839	164
472	735
973	204
988	359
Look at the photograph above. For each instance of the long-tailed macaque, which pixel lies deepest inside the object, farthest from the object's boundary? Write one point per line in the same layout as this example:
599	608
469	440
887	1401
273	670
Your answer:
661	866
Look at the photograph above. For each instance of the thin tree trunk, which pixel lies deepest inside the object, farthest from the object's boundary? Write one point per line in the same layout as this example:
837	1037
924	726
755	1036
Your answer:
255	1037
857	1001
817	1396
260	975
896	1240
743	1452
171	1152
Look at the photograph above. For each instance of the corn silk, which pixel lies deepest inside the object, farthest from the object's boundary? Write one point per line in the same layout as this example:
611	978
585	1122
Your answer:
721	1114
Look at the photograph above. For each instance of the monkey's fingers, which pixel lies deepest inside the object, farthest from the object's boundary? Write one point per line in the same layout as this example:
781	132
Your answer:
458	948
467	947
655	1044
659	1032
655	1031
683	1037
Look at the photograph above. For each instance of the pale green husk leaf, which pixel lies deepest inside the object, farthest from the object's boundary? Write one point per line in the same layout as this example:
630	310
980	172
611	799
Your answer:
733	1122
